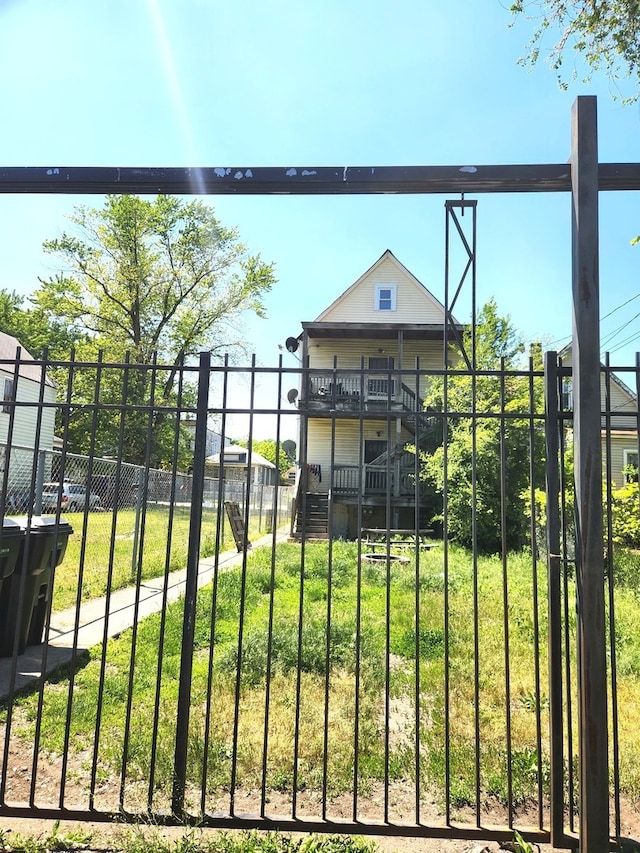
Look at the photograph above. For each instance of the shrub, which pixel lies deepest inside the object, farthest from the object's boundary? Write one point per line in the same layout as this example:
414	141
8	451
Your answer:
625	516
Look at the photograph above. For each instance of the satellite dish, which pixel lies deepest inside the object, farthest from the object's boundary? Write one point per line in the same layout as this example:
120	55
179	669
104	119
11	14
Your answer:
292	395
289	447
292	344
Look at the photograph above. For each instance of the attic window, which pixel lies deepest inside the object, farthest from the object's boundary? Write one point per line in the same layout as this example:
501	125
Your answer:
237	456
385	297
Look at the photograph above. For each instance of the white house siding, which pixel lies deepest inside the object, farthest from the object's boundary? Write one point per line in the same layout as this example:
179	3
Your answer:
414	304
622	403
347	448
617	444
26	417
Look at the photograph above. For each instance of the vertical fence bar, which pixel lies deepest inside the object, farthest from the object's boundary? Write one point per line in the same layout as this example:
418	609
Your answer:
388	617
149	411
76	626
219	540
126	370
329	611
165	587
272	588
567	566
554	597
417	520
445	534
610	567
243	596
505	589
476	594
594	777
358	614
535	611
191	587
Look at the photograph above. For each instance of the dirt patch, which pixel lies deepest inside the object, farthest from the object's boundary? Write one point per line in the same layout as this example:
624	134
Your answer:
395	805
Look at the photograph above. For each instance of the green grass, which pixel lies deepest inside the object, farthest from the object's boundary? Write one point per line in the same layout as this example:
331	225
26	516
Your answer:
55	840
124	561
361	665
143	839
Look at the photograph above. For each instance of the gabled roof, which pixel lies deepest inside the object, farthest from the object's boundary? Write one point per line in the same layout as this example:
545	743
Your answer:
567	351
387	258
8	348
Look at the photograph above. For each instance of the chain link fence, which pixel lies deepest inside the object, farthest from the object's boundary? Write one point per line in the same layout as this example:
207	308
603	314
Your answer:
130	509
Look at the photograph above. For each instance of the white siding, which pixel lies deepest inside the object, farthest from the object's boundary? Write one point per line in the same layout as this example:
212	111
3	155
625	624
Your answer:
26	417
621	399
618	444
414	303
347	449
620	403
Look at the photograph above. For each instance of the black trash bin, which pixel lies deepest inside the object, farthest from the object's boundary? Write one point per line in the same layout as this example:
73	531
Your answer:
10	542
43	547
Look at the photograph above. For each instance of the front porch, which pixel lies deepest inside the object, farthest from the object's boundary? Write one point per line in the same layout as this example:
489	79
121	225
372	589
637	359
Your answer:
361	391
374	480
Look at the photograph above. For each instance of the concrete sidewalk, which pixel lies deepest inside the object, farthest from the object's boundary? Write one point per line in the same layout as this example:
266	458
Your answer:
63	637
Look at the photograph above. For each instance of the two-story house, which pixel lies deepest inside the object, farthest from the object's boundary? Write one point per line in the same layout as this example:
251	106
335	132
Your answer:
619	407
21	391
362	402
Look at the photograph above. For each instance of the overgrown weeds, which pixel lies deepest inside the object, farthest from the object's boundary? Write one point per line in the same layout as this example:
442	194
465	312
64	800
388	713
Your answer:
295	664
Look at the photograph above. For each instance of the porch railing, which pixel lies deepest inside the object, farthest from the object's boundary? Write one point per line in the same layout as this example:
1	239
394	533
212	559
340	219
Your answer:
374	387
372	479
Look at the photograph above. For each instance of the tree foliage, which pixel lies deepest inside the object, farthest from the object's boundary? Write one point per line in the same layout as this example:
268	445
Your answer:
604	34
141	280
35	327
492	447
155	276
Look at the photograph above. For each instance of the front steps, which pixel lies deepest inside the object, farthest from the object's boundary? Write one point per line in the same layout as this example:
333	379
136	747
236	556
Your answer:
312	517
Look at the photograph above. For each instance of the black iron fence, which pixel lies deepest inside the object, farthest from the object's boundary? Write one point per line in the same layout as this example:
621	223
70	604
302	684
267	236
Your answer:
408	668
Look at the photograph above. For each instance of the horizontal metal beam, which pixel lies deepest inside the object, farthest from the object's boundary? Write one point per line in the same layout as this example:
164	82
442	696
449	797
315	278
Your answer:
322	180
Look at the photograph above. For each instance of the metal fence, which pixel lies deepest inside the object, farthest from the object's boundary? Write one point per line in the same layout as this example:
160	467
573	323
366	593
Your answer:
107	484
415	678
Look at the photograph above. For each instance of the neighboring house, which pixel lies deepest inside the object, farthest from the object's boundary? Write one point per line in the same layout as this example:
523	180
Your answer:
619	426
27	386
362	352
213	440
238	464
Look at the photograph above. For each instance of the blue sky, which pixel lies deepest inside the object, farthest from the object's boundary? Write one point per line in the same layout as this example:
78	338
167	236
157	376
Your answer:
322	82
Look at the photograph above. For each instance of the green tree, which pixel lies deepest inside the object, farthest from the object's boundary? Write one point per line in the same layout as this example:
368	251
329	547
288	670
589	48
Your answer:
144	279
604	33
155	276
36	327
495	442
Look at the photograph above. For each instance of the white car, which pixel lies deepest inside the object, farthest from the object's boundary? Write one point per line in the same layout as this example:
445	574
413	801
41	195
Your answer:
72	498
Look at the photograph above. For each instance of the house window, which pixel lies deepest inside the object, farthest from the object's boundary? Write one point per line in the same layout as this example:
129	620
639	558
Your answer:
567	394
630	465
384	362
385	297
239	456
8	395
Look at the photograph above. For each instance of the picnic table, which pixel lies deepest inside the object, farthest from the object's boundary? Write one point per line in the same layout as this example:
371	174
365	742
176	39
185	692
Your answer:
396	537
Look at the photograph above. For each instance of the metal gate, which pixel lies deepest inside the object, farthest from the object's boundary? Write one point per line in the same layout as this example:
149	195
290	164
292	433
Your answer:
156	747
399	683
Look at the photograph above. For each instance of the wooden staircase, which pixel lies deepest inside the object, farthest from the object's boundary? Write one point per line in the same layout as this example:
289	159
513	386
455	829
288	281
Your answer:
312	517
